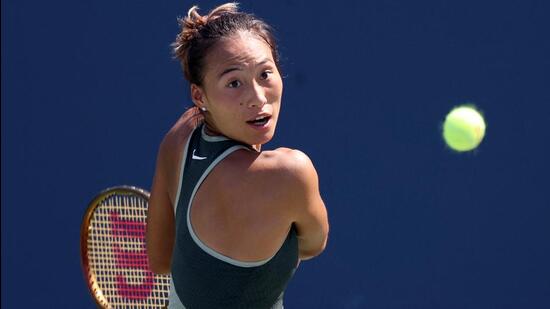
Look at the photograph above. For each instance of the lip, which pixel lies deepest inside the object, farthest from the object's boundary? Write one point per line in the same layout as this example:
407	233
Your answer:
263	127
259	115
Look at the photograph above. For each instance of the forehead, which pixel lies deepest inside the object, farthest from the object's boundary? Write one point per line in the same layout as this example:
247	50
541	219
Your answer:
242	49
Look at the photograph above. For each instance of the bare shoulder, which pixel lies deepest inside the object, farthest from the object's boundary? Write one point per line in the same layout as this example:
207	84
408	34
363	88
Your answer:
281	170
281	185
279	163
299	185
292	165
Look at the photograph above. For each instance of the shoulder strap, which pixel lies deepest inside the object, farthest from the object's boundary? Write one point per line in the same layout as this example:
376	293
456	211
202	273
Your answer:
203	153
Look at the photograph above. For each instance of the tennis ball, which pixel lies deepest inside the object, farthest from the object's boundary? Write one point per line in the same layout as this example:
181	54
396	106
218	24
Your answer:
464	128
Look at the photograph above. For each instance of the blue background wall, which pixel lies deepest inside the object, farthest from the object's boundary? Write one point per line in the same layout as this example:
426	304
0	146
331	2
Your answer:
89	88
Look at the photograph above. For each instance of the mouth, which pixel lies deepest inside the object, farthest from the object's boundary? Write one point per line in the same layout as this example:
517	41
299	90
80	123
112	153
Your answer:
259	121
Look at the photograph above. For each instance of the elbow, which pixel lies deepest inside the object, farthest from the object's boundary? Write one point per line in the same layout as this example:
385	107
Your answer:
309	253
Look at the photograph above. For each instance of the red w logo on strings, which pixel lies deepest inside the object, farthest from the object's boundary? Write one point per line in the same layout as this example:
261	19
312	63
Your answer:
131	233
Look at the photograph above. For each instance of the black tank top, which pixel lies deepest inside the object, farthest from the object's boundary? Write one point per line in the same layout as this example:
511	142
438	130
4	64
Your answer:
204	278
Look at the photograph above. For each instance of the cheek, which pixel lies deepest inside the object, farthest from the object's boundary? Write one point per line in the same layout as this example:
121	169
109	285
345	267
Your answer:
278	87
225	99
226	108
276	95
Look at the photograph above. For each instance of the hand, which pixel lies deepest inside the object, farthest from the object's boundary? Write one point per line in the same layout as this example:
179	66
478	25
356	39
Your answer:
192	116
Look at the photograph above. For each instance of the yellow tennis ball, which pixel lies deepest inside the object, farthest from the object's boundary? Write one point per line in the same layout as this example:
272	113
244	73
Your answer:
464	128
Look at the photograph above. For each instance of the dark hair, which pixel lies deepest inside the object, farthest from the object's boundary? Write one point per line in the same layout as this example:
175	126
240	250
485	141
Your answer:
199	33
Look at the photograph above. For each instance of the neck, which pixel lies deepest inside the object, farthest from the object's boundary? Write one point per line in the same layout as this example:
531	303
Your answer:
213	132
210	131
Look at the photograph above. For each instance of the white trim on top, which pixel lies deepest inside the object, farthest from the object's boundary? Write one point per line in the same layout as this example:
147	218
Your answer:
212	138
182	167
199	243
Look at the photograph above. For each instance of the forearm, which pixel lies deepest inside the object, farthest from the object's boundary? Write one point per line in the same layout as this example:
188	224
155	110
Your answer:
160	233
160	244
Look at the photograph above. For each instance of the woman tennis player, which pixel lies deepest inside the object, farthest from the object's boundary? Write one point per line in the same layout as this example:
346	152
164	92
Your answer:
228	221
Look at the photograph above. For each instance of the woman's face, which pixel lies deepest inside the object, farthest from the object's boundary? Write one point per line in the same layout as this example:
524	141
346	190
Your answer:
242	89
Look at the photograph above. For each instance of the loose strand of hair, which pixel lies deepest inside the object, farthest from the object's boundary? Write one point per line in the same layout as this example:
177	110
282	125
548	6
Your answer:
228	8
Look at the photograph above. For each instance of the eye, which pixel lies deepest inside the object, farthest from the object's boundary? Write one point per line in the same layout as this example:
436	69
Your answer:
234	84
265	74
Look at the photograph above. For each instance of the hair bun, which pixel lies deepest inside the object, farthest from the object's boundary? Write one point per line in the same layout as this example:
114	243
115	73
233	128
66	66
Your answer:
190	25
193	22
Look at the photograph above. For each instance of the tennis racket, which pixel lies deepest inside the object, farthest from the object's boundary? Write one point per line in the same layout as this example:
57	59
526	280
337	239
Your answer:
114	258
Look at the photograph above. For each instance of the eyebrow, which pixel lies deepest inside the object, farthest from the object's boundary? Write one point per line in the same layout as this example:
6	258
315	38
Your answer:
231	69
228	70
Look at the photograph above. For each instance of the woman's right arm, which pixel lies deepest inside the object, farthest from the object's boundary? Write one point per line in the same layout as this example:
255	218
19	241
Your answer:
160	216
160	235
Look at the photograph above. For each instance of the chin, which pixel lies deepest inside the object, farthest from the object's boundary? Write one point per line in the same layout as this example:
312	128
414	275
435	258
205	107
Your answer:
260	140
259	136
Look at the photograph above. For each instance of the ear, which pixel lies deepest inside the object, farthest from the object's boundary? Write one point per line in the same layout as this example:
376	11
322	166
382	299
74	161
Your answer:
198	96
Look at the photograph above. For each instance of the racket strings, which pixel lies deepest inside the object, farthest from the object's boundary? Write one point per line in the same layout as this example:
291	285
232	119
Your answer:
117	254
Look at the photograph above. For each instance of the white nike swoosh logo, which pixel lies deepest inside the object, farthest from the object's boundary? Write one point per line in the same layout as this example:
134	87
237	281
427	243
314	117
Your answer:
197	157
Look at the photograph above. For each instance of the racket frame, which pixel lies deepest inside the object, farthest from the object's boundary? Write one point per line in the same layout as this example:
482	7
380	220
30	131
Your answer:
91	281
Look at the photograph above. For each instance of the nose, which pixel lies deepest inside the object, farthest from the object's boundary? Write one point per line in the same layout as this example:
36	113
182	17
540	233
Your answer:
258	98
